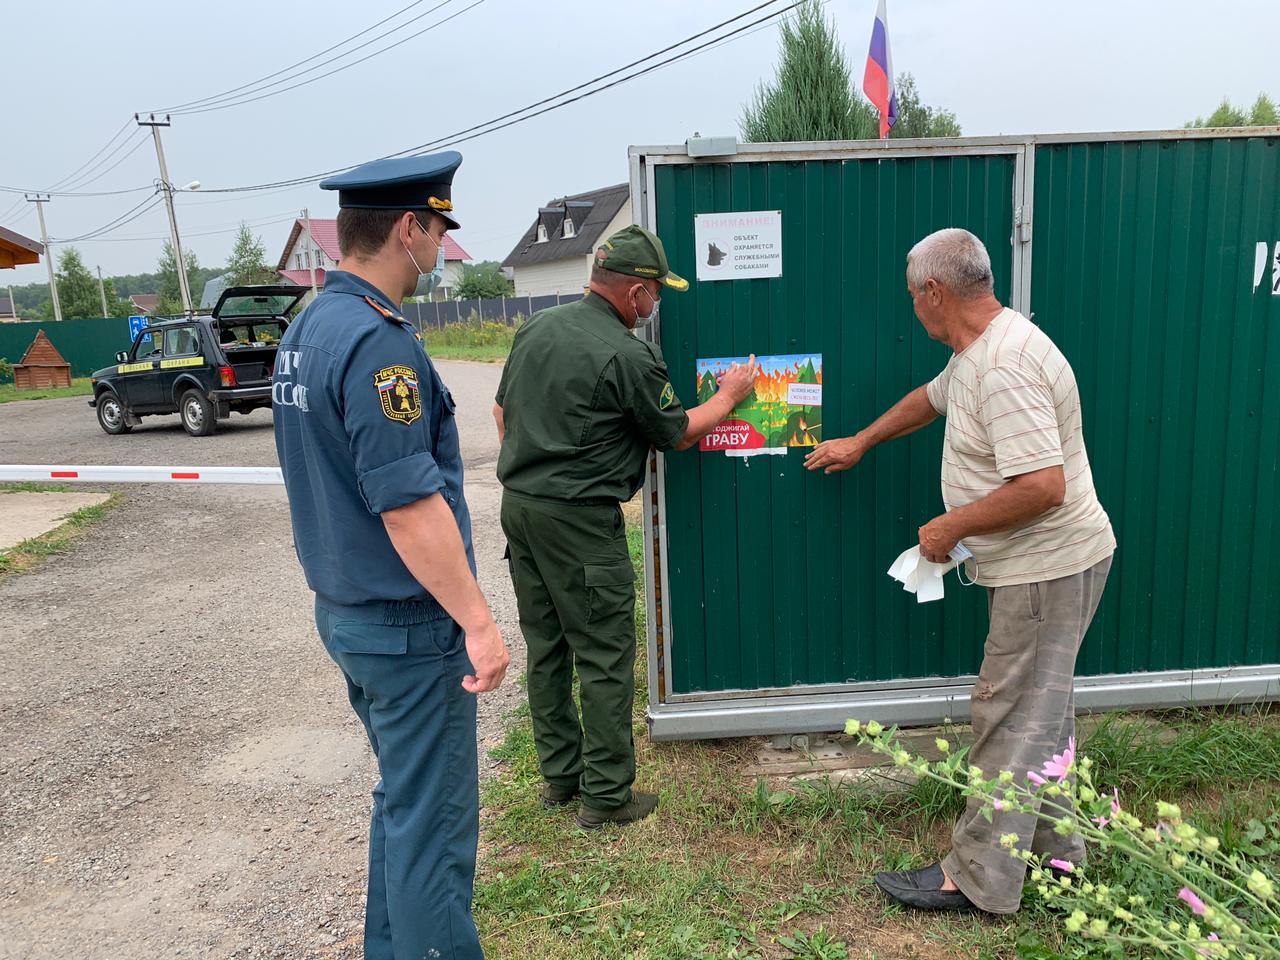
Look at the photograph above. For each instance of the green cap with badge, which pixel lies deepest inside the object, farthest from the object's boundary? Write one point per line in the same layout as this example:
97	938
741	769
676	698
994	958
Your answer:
638	253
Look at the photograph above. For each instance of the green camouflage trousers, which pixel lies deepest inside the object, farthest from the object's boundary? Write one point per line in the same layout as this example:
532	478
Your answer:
1023	712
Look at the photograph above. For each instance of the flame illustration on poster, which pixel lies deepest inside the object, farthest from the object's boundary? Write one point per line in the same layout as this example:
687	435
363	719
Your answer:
784	410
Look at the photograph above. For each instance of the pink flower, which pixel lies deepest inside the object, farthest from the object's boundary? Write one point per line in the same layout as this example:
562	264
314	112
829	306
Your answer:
1195	903
1060	765
1066	866
1115	809
1205	951
1035	778
998	804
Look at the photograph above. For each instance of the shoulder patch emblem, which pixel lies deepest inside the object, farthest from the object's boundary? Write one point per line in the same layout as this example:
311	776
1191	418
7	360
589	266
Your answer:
667	398
398	392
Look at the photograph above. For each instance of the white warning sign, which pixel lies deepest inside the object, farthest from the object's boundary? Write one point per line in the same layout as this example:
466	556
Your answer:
738	246
1264	253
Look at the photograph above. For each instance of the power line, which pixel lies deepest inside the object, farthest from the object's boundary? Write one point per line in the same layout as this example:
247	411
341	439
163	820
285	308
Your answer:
489	126
253	83
454	139
72	174
74	193
509	119
346	66
204	233
138	144
53	186
127	217
242	198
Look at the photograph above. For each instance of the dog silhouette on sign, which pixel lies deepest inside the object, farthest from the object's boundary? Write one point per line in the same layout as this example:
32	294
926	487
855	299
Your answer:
715	256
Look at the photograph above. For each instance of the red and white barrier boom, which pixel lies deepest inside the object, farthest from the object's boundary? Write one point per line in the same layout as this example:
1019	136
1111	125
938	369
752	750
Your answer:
95	474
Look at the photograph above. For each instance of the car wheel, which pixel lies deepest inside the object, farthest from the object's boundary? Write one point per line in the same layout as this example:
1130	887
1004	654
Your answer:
111	415
199	418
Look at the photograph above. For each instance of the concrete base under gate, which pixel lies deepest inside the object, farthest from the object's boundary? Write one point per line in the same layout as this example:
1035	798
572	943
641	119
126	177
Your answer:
24	515
916	703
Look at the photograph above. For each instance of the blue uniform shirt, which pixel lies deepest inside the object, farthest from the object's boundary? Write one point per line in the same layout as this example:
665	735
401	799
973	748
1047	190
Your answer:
363	424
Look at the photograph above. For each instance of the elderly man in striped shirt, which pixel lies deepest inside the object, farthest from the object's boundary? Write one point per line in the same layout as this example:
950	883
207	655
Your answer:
1018	491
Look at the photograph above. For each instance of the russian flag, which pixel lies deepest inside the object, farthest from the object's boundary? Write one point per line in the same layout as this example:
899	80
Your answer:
877	82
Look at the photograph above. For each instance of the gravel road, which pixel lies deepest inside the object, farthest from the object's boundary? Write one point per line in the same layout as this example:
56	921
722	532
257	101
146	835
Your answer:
180	773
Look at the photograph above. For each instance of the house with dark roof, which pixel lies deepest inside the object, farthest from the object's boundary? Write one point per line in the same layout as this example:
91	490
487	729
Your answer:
321	249
8	312
555	253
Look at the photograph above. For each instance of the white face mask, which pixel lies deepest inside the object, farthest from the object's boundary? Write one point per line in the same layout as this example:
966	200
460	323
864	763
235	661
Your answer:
642	321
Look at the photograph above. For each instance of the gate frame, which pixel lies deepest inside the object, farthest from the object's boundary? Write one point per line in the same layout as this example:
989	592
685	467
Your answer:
805	708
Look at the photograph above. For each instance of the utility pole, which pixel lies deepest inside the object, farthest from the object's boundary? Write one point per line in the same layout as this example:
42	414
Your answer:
102	290
167	187
13	304
40	201
311	261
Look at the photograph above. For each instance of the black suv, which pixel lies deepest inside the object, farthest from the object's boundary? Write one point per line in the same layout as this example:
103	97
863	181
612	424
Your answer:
201	368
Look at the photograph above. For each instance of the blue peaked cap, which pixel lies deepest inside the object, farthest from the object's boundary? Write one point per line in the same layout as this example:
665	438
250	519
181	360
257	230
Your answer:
400	183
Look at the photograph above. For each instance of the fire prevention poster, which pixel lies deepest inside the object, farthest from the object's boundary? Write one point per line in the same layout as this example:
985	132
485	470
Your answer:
784	410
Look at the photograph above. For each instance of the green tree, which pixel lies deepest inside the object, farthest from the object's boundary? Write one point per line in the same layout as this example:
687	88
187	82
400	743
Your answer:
483	280
1262	114
78	291
915	118
77	287
169	288
813	96
248	261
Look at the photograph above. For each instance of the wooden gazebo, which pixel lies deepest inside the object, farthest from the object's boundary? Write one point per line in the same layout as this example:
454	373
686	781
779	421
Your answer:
15	249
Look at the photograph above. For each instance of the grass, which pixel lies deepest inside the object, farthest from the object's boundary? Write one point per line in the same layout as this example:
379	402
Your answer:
29	554
736	868
32	486
80	387
481	340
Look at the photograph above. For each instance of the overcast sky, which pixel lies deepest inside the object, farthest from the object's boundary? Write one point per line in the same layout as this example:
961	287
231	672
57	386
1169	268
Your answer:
77	69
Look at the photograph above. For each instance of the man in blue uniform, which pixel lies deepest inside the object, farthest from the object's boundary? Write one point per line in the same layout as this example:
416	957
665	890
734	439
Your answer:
367	442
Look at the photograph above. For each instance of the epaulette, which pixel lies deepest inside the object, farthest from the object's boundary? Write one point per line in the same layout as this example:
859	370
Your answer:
389	314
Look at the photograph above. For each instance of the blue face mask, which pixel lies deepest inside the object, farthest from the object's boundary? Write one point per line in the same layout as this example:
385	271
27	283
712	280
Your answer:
436	276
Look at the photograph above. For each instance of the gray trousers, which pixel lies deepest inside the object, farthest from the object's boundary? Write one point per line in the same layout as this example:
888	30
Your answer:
1023	712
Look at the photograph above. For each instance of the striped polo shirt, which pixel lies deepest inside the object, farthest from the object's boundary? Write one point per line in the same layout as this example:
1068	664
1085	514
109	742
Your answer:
1012	407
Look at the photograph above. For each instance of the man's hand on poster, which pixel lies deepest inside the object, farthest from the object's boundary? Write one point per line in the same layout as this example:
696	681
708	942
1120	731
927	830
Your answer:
739	380
831	456
937	539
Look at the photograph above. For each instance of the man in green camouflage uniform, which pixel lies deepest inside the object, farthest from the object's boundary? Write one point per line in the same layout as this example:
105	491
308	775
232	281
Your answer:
581	402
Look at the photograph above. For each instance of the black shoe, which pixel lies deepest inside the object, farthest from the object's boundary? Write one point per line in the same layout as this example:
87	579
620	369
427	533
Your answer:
637	808
922	889
554	795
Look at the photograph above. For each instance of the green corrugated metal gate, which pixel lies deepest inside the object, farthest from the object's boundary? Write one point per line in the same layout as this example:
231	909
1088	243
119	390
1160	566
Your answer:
770	609
87	345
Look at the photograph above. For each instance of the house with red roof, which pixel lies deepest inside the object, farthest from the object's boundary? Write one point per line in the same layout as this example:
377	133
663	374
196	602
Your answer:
144	304
320	248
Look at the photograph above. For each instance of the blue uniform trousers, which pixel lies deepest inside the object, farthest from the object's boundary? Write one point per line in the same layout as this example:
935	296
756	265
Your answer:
405	684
